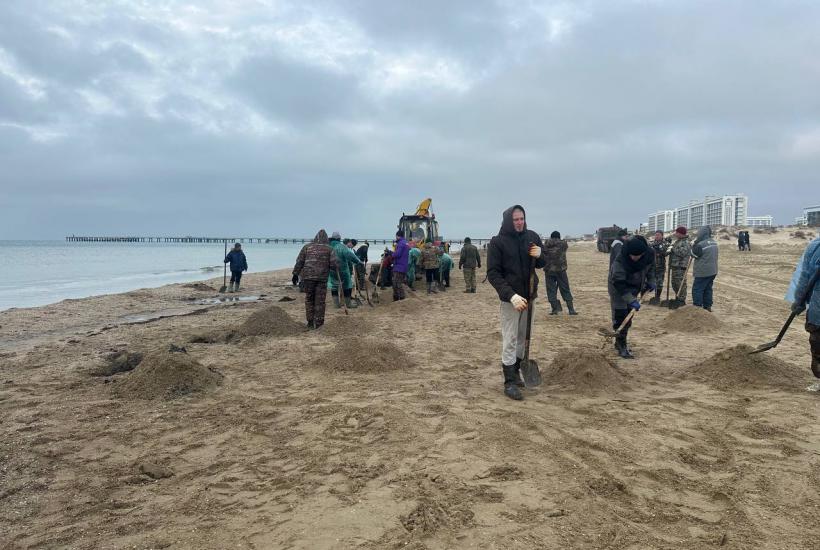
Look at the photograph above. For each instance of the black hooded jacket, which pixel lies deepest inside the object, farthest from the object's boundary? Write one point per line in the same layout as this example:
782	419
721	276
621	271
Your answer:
627	279
508	259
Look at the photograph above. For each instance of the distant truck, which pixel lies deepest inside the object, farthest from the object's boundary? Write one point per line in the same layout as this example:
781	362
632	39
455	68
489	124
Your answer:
606	236
422	225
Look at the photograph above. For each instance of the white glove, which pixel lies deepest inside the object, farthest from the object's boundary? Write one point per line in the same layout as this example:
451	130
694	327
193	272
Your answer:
519	303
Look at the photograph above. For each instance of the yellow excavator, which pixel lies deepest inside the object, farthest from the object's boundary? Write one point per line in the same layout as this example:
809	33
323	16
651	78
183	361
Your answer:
421	226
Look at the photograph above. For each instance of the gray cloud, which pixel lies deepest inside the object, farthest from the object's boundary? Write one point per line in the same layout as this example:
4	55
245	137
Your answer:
270	119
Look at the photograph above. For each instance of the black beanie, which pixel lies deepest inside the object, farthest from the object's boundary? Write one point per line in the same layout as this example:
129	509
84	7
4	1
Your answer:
635	247
555	235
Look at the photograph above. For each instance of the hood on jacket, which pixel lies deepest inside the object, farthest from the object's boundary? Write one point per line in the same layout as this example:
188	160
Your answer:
321	237
704	233
633	247
507	226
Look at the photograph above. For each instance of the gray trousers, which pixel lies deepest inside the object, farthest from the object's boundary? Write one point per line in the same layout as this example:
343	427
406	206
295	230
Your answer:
513	333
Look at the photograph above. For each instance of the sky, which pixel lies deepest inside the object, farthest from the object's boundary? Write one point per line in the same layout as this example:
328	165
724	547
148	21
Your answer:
276	118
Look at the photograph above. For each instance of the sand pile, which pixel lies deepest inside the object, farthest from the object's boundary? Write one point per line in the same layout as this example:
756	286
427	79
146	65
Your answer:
366	355
270	321
585	370
735	368
117	362
167	375
690	319
343	326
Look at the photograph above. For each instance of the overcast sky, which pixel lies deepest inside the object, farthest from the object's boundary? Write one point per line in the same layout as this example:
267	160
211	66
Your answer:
269	118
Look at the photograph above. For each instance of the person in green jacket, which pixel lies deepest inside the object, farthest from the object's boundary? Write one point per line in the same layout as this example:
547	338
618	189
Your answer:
345	257
415	254
445	265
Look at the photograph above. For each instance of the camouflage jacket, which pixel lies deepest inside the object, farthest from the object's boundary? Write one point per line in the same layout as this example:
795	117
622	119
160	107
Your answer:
316	259
429	257
469	257
680	254
661	251
556	252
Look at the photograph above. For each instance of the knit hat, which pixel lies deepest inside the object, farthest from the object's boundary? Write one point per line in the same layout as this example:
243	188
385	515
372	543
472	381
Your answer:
681	229
555	235
336	235
636	247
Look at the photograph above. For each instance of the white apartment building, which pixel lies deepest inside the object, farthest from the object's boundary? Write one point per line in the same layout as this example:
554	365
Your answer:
759	221
663	220
800	221
812	215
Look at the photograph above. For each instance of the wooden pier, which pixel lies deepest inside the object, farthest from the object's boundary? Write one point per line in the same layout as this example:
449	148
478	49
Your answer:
221	240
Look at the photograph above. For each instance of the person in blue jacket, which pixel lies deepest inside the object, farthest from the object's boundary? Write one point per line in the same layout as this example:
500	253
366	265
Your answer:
807	297
238	264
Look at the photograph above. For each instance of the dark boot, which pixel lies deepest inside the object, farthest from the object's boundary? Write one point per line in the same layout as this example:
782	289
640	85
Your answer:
623	348
556	307
336	301
318	324
654	301
571	309
815	367
518	380
350	303
310	325
510	388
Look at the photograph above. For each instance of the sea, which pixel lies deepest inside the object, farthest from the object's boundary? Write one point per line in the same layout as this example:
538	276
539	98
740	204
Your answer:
37	273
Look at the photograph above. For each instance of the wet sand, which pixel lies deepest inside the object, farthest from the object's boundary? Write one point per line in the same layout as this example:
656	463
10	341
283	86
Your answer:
293	450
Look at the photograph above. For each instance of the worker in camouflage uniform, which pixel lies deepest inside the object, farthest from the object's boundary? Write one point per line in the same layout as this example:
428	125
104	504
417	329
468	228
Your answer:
413	260
430	263
468	261
679	258
344	257
315	262
661	249
555	272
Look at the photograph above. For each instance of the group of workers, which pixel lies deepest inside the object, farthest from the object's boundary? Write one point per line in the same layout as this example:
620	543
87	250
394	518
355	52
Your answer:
637	267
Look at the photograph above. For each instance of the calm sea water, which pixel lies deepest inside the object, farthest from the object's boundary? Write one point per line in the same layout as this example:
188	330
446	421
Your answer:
35	273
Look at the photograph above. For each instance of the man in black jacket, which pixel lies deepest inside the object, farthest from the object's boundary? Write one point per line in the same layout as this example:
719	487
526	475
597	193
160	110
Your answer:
510	256
238	264
630	275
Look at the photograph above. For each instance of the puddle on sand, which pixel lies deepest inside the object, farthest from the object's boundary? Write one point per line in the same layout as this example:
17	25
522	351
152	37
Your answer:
227	300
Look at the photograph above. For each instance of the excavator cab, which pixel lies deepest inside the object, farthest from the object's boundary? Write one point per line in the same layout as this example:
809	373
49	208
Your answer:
420	226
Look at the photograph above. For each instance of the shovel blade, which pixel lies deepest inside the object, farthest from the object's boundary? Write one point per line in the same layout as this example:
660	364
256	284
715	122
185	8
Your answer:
530	373
222	289
607	333
764	347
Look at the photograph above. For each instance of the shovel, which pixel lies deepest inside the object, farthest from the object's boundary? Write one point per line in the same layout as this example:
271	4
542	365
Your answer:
341	290
224	286
366	291
772	345
529	368
376	286
607	333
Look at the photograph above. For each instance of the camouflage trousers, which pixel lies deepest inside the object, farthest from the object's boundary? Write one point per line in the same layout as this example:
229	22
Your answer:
660	279
679	282
398	285
315	296
469	278
814	343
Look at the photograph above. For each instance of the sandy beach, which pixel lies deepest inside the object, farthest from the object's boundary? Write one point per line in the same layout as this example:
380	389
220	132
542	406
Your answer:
388	428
